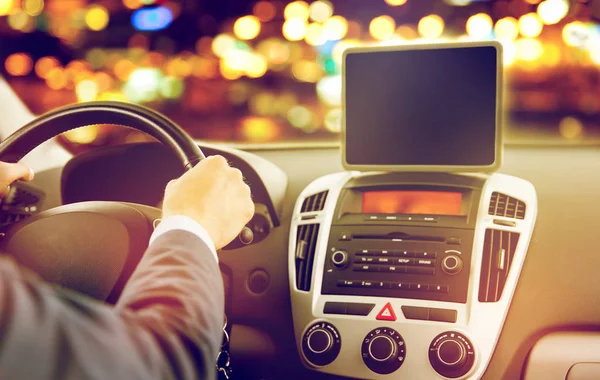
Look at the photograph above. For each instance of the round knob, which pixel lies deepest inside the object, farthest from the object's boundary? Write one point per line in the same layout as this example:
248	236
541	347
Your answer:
339	259
451	354
383	350
319	341
452	264
246	236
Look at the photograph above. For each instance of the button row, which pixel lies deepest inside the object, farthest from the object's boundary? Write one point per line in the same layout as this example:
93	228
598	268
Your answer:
402	218
429	314
396	253
394	260
393	269
393	285
348	308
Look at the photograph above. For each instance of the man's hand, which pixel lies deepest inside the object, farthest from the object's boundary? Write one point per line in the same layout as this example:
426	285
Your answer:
214	195
9	173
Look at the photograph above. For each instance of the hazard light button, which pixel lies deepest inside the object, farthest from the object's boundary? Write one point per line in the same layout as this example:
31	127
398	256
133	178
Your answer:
387	313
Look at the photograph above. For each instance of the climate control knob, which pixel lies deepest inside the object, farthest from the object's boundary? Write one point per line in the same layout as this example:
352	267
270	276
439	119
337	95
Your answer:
321	343
339	259
383	350
451	354
452	264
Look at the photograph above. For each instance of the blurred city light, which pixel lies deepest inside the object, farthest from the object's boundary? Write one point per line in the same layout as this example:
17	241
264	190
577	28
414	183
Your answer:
552	11
44	65
530	25
150	19
314	35
296	9
247	27
300	116
479	25
575	33
259	129
264	10
570	128
529	49
96	17
18	64
142	85
333	120
431	26
382	27
33	7
133	4
83	135
507	29
6	6
335	28
320	10
395	3
294	29
329	90
86	90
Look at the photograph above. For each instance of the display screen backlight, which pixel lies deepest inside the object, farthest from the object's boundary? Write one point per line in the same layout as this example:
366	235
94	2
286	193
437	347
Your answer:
412	202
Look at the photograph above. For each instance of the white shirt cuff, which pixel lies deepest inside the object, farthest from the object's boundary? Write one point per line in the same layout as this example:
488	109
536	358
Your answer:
180	222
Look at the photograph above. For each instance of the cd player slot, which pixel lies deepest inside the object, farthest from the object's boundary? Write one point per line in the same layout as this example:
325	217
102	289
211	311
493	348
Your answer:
400	236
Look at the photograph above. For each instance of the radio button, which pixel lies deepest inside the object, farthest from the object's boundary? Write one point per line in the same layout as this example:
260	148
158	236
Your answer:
364	252
364	259
384	260
335	308
365	268
452	264
439	288
403	261
420	270
339	259
345	236
402	253
422	287
399	285
393	269
349	283
425	262
431	255
414	312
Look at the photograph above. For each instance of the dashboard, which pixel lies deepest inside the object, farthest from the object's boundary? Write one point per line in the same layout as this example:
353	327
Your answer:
557	290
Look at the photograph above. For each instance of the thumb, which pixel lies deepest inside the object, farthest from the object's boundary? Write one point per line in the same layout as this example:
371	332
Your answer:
9	173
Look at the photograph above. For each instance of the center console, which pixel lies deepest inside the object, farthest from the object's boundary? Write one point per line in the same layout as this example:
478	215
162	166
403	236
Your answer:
403	270
406	275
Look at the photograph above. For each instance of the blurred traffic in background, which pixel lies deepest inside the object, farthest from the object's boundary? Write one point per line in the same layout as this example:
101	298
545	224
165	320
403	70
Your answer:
269	71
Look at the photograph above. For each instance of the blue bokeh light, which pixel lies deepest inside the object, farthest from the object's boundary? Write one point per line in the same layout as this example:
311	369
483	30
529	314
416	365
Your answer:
149	19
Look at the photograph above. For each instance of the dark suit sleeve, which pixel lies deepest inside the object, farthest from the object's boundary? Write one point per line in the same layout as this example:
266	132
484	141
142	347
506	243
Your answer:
166	325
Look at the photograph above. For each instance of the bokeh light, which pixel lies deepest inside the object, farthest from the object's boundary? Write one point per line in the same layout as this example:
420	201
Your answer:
18	64
570	128
529	49
57	78
335	28
296	9
44	65
431	26
259	129
507	29
86	90
132	4
479	25
552	11
382	27
530	25
333	120
33	7
320	10
294	29
96	17
83	135
6	6
314	35
395	3
264	10
575	33
247	27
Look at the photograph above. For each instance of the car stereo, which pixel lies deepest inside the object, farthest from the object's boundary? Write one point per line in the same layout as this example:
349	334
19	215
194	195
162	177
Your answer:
429	107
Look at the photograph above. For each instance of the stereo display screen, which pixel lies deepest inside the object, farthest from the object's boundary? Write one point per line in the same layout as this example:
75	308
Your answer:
411	202
430	109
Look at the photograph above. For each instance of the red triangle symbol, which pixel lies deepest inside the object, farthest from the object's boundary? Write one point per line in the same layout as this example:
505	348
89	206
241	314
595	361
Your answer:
387	313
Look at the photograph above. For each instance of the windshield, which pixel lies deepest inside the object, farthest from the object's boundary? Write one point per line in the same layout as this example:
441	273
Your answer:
269	71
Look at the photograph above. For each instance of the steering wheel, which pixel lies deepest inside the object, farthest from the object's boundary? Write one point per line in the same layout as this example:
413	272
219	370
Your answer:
91	247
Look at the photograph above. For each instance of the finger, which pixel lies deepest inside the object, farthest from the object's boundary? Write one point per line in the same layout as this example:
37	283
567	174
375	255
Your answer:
9	173
4	192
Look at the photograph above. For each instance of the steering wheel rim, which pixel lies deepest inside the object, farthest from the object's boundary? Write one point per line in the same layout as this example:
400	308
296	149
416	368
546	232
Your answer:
73	116
71	245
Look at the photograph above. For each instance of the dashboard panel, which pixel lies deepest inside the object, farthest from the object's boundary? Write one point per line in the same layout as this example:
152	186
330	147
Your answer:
558	287
394	295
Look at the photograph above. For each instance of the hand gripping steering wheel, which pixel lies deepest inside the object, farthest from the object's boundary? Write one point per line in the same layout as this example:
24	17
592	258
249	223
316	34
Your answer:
91	247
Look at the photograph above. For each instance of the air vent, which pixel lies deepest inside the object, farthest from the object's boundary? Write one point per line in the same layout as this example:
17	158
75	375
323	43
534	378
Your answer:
503	205
306	243
498	252
314	202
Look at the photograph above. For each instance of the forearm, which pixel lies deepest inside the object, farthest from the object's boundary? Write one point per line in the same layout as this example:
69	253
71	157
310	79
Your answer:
167	324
